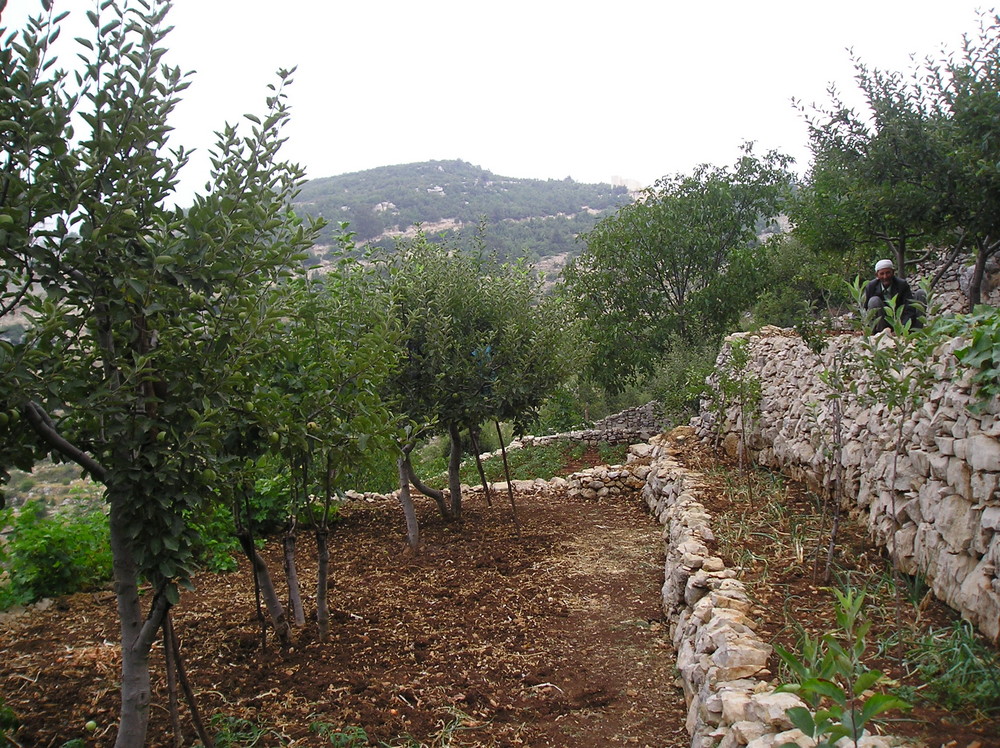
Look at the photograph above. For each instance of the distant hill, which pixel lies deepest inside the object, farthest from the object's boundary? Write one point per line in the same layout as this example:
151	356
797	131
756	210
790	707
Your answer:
534	218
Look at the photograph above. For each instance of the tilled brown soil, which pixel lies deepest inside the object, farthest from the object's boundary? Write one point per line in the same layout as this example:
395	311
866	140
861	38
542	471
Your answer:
550	635
546	637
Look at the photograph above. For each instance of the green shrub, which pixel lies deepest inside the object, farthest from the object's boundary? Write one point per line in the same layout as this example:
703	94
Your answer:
562	411
679	381
54	555
830	675
612	454
579	403
25	484
799	281
982	354
315	512
430	458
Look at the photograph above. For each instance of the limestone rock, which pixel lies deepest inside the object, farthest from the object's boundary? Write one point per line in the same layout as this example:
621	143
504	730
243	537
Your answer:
770	708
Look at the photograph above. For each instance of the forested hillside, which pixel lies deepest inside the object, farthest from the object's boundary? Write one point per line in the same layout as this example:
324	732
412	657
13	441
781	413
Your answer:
522	217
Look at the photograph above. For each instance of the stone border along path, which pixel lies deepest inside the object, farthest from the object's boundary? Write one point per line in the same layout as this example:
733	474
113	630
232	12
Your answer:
720	658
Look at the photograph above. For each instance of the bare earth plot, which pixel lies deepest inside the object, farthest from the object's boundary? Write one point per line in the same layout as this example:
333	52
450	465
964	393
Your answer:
547	636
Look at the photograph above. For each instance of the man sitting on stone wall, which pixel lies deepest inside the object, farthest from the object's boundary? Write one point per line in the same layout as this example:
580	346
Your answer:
886	286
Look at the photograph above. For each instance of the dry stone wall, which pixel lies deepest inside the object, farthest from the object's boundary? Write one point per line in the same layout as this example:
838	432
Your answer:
934	505
721	660
952	289
627	427
946	521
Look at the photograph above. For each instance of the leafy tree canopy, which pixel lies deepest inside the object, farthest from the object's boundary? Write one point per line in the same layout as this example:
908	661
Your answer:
480	340
143	318
917	169
878	182
680	263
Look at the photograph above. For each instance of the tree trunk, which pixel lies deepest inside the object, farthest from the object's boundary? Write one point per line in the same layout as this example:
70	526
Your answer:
271	601
433	493
137	634
978	273
321	531
174	646
292	578
247	530
171	668
899	250
412	527
454	465
135	688
952	255
322	585
479	466
510	488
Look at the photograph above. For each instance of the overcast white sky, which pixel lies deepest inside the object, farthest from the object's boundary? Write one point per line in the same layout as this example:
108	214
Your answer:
534	88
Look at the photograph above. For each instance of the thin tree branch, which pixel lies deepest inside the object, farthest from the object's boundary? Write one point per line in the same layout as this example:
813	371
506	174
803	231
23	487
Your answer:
46	429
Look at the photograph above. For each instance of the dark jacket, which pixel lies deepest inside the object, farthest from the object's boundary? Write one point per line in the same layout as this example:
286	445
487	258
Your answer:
900	290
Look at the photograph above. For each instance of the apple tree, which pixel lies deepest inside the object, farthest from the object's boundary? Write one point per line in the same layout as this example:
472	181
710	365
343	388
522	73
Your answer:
480	341
141	317
319	400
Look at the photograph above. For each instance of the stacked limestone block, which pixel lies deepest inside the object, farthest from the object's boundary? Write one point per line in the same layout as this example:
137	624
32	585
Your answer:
952	289
719	654
627	427
604	481
934	504
633	425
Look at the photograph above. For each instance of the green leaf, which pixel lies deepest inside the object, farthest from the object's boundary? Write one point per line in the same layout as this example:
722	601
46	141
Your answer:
789	688
879	703
172	593
802	718
866	680
826	688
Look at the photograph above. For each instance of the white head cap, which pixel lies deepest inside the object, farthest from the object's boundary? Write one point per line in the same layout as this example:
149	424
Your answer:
883	264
